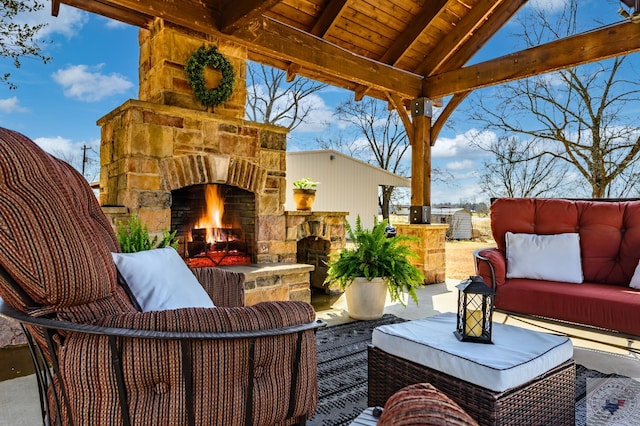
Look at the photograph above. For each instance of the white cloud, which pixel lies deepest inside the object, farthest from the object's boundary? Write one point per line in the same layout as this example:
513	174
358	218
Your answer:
87	84
548	5
68	23
460	165
10	105
319	118
66	149
57	146
459	146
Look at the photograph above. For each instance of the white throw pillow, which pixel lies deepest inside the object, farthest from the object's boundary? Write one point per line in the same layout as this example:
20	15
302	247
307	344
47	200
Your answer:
544	257
635	280
159	280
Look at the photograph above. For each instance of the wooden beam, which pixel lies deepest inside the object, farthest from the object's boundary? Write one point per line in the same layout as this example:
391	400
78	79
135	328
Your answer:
409	36
272	38
327	17
456	38
453	103
119	13
292	71
481	36
239	13
285	42
398	105
413	31
615	40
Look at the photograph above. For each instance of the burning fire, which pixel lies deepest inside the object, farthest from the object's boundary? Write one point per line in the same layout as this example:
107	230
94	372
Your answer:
212	242
212	217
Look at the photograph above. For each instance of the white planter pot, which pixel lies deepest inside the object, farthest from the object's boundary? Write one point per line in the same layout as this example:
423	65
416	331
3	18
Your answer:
365	299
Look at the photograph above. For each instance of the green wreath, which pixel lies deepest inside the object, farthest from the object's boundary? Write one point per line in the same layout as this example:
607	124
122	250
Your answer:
194	68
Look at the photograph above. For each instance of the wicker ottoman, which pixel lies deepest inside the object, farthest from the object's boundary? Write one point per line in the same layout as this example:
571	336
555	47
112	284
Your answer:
547	399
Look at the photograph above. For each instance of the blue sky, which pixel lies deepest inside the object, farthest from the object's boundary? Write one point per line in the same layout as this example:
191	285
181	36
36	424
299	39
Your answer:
95	69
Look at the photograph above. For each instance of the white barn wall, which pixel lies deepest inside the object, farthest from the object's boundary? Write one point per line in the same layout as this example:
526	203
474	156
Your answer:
346	184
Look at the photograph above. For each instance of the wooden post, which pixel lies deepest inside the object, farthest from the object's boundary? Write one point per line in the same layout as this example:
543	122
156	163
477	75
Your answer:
421	161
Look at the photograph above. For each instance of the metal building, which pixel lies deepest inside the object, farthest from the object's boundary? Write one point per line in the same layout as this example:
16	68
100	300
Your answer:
459	220
346	184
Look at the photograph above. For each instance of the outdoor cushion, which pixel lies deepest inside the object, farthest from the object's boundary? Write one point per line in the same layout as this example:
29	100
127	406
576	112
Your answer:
516	356
54	235
159	279
609	231
423	404
605	306
544	257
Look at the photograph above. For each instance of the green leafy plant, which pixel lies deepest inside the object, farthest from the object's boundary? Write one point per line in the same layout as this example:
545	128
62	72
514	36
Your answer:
305	183
133	237
195	66
374	255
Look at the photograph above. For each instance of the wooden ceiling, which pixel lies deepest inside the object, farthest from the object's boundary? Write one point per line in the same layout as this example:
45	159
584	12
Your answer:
396	50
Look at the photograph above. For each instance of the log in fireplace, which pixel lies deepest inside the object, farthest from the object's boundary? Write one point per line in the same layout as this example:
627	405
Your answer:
215	224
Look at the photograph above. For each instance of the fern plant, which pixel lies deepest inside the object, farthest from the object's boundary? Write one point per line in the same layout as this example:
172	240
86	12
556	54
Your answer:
376	256
133	237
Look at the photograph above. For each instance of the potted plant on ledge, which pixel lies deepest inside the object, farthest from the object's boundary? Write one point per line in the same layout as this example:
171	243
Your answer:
304	193
376	264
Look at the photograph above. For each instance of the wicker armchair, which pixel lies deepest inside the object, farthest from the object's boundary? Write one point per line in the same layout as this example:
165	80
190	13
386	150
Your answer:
101	362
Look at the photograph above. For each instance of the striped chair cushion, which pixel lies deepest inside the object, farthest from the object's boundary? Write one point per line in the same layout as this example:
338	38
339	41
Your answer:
423	404
54	239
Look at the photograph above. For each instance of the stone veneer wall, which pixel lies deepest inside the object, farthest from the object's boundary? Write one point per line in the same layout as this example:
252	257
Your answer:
147	150
430	249
167	140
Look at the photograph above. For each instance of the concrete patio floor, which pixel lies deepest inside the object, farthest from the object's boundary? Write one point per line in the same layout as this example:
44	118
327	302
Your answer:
19	403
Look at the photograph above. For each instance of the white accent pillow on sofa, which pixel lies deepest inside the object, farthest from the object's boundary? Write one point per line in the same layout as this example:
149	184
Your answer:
544	257
635	280
159	280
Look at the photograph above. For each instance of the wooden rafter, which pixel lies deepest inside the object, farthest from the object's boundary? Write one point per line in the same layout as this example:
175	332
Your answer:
407	38
237	14
580	49
413	31
500	16
456	38
274	38
453	103
328	17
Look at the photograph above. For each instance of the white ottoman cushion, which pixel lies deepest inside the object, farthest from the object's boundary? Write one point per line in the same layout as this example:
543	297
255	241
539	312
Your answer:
516	356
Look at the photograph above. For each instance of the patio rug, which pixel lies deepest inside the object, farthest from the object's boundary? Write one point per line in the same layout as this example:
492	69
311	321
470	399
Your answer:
342	381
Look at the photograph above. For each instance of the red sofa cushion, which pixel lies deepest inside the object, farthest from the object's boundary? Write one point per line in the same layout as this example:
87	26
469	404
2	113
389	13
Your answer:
609	231
606	306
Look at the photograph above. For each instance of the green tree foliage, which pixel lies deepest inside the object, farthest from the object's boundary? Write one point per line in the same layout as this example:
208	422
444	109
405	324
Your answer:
18	40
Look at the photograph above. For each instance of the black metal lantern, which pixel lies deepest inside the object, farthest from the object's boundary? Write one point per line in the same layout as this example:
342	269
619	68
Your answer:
475	309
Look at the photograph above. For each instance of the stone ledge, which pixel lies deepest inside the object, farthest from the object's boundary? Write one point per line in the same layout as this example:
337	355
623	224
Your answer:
261	270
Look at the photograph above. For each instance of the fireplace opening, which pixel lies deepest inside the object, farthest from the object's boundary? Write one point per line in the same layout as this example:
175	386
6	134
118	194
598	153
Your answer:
315	251
215	224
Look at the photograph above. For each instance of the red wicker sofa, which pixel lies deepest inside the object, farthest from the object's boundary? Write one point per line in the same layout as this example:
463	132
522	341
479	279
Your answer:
609	249
113	365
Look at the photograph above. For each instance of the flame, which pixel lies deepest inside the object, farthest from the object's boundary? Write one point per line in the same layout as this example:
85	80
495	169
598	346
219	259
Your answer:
212	218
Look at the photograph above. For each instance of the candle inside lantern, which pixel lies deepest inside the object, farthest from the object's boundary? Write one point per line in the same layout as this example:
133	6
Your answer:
473	326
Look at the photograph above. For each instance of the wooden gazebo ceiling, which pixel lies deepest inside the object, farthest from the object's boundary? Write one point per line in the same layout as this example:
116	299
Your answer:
395	50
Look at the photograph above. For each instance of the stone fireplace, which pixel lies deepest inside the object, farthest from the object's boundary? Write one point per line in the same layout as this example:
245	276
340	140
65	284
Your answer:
162	155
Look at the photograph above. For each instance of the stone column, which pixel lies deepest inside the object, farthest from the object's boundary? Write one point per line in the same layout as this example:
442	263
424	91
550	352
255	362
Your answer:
430	249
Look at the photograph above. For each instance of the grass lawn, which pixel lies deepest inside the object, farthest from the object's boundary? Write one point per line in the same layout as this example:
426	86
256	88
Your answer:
459	258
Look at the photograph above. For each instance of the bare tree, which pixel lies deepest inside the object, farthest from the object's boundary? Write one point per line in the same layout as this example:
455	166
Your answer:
378	137
579	113
519	170
18	40
85	161
272	99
